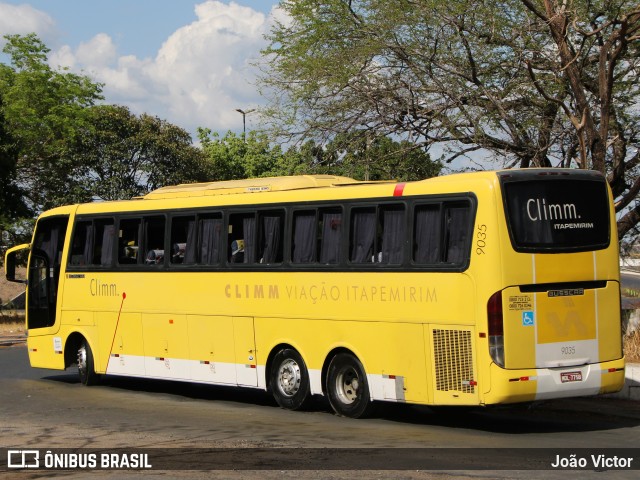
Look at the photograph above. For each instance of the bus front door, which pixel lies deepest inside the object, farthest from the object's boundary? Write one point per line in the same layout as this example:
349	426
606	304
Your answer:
44	272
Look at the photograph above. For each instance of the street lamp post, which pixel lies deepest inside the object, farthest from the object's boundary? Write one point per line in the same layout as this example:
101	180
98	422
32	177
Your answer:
244	120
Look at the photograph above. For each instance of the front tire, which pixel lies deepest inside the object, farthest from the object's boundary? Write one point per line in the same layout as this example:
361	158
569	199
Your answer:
290	380
347	387
86	368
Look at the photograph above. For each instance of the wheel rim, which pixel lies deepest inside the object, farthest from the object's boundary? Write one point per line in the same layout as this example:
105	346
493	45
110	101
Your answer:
289	377
82	360
348	385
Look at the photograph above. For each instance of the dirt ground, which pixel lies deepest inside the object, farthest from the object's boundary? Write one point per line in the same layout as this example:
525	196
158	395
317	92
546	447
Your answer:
10	325
11	329
8	290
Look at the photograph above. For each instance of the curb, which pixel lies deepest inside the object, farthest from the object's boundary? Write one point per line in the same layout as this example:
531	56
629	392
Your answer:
7	341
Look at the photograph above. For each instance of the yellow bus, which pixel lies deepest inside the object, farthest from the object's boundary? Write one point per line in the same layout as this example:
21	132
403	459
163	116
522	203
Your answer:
470	289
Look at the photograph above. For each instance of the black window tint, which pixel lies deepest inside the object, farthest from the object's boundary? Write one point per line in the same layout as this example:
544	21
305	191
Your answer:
183	239
426	234
241	238
457	221
304	237
271	234
104	239
92	243
250	244
557	214
129	241
392	226
81	244
210	239
44	271
331	233
362	235
154	240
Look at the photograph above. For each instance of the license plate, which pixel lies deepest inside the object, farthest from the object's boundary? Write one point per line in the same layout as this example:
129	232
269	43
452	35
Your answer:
570	377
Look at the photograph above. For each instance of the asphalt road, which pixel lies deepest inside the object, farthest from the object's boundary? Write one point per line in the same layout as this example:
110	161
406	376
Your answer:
49	410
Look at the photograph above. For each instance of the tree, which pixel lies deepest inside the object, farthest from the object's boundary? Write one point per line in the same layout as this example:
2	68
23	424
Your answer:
522	82
120	155
43	111
357	156
58	147
234	156
12	205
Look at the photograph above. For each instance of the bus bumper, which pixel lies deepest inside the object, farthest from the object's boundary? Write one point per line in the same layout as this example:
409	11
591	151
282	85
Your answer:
515	386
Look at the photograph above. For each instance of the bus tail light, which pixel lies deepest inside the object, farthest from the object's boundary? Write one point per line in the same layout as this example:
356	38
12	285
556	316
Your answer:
496	328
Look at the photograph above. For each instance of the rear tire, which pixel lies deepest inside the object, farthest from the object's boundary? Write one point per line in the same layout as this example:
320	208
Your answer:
347	387
290	380
86	368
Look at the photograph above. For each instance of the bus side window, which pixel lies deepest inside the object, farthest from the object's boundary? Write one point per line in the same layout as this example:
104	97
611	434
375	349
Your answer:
182	239
93	243
426	234
210	241
154	240
271	233
242	231
457	233
129	241
391	235
82	244
104	239
304	239
331	233
362	235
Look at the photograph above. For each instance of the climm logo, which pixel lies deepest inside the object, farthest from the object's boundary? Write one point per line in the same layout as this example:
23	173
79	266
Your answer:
100	289
538	210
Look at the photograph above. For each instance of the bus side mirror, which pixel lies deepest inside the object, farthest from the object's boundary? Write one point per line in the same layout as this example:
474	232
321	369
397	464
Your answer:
10	263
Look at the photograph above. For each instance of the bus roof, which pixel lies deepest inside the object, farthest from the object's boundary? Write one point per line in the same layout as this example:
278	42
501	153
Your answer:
251	185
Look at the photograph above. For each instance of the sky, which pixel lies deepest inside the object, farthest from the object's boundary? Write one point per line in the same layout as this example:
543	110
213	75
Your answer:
187	62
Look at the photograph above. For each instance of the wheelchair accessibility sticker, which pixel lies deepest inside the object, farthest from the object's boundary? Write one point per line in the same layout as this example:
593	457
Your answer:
527	318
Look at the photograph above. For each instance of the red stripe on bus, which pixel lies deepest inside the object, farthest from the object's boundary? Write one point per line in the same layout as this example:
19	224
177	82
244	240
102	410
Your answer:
397	192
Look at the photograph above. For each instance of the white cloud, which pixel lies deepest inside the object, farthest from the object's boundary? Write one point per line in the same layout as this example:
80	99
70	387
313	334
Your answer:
200	75
23	19
99	51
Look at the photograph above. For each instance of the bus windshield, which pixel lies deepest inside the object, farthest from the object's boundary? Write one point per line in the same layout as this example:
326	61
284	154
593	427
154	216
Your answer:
556	214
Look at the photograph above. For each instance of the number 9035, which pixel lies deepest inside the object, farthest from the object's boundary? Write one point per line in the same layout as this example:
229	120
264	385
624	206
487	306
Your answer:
481	239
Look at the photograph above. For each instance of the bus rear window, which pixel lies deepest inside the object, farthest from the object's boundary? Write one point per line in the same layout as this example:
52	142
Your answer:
556	214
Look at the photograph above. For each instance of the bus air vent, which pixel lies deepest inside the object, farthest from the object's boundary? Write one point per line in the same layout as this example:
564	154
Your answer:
453	360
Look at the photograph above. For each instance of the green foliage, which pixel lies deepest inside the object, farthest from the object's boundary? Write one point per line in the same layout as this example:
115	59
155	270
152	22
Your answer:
234	156
11	202
44	110
354	155
58	147
121	155
357	156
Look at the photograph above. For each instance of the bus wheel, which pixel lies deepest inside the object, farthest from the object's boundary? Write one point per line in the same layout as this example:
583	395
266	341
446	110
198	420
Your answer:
347	387
289	379
86	370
